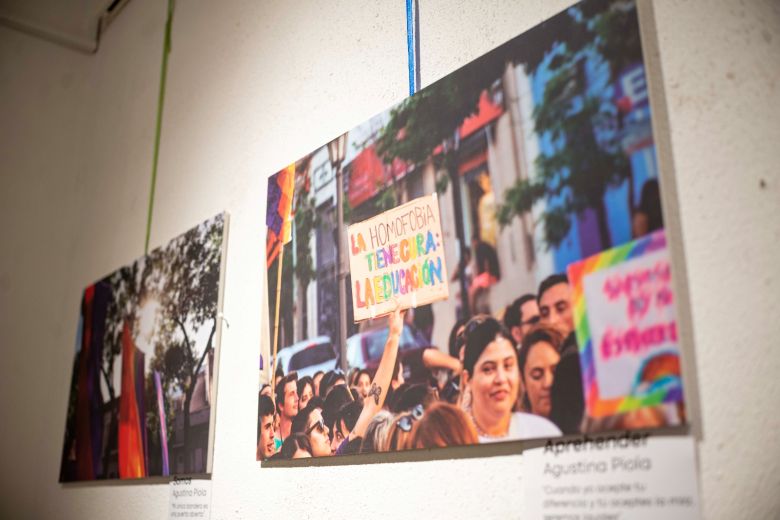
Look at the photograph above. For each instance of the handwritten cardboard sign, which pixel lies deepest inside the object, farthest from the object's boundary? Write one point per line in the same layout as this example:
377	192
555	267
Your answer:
626	326
398	256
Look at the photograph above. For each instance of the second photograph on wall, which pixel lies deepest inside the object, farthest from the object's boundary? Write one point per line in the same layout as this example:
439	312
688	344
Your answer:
483	262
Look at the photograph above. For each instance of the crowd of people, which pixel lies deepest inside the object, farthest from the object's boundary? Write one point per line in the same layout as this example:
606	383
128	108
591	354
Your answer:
517	377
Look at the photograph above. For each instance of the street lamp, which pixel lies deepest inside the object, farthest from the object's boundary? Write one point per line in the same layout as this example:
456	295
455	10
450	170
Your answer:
337	151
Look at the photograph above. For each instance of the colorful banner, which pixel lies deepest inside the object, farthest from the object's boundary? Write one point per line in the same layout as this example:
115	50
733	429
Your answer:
626	327
131	438
87	382
398	256
278	216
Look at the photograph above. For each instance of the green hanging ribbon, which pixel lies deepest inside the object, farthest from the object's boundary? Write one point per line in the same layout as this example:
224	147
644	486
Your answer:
160	102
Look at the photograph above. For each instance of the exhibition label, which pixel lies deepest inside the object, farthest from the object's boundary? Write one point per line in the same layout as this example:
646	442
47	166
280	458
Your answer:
189	499
628	475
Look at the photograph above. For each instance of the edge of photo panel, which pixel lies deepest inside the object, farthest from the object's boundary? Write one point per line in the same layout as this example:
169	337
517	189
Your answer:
218	342
472	451
670	207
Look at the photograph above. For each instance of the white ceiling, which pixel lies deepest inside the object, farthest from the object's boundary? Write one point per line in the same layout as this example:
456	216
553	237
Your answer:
74	23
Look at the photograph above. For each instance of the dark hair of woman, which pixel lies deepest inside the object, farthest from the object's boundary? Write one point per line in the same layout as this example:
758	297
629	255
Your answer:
413	395
293	443
480	331
360	373
337	397
316	402
349	413
302	382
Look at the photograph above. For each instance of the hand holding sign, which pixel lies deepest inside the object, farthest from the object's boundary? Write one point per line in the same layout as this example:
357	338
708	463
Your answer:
395	320
398	256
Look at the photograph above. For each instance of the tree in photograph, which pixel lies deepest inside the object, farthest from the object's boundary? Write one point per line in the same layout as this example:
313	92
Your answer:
430	119
583	126
153	420
187	293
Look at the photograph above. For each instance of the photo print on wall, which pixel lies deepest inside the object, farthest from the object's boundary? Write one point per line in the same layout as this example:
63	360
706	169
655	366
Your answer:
144	371
533	301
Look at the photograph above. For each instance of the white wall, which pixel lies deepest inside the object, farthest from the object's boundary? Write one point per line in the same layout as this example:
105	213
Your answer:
251	87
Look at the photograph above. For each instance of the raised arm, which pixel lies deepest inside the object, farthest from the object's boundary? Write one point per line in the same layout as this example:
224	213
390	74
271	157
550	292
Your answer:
379	386
435	358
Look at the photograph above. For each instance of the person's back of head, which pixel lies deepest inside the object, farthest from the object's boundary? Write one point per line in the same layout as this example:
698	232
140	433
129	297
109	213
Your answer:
566	395
294	443
443	424
333	403
411	396
400	430
650	205
349	413
329	380
317	402
376	432
393	395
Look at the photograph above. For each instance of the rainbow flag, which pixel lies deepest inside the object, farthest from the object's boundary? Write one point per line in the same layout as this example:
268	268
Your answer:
132	458
278	219
86	383
89	403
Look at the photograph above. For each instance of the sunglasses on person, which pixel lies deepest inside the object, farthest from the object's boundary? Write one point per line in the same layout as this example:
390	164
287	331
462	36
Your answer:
319	426
406	422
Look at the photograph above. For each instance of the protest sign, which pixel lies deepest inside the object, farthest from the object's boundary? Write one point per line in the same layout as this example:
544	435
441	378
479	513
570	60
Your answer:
398	256
626	327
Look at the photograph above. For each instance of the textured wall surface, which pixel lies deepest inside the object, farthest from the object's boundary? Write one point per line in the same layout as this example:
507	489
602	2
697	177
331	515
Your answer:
252	86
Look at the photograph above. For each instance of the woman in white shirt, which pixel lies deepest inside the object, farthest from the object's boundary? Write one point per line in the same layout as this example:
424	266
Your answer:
492	376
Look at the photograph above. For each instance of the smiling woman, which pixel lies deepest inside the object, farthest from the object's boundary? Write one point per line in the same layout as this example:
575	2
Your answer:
492	377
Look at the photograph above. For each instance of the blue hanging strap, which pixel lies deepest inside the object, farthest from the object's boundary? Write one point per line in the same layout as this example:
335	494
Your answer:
413	44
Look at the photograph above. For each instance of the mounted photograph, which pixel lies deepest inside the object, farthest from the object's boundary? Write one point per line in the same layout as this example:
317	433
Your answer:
144	371
485	261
